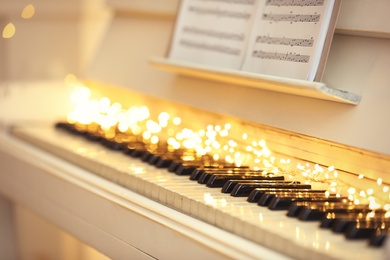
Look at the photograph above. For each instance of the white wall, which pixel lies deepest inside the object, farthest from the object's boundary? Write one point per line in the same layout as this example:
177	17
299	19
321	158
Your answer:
59	39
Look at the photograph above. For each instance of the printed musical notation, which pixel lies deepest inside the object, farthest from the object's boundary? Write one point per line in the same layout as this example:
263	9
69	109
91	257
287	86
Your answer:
295	2
293	57
292	18
285	41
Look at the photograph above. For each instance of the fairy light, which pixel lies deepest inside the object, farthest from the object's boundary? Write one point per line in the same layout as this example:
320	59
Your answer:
9	31
28	11
213	140
154	139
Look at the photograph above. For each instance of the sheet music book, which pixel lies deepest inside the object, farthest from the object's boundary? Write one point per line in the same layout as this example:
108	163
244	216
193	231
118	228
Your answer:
286	38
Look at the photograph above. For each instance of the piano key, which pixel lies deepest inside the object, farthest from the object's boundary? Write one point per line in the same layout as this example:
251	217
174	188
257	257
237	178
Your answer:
197	173
317	210
283	203
134	149
296	207
165	159
340	222
268	196
379	238
257	193
230	184
366	228
218	180
207	175
242	189
186	167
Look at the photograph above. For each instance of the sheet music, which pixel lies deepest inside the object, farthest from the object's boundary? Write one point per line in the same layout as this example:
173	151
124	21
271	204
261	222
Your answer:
288	37
213	32
283	38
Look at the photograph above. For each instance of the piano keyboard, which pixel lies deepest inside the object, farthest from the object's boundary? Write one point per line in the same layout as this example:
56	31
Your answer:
270	228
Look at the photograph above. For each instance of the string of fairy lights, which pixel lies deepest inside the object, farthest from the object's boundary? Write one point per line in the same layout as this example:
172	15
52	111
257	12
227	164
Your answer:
214	140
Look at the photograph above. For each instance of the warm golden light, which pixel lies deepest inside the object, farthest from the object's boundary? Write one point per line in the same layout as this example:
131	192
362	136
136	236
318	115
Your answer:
28	11
9	31
114	121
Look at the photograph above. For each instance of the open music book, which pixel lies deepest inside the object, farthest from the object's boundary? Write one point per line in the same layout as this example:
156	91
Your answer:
286	38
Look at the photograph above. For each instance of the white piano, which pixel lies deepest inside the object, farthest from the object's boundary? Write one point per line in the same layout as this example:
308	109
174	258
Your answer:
60	191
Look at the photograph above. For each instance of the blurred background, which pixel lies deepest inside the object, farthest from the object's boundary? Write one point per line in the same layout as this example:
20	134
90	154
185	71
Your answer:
48	39
42	40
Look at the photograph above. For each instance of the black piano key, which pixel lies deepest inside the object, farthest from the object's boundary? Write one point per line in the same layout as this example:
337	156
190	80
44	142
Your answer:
185	166
182	167
341	225
165	160
206	175
297	206
197	173
366	228
218	180
285	203
342	222
317	210
267	197
379	238
93	137
328	220
137	153
257	193
187	169
146	156
111	144
153	159
244	189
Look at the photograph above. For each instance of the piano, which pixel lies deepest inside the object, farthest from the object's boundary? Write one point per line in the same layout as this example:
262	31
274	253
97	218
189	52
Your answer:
125	207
